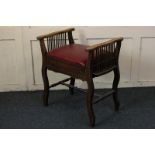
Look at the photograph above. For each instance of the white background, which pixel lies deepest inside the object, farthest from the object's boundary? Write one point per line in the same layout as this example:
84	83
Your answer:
21	59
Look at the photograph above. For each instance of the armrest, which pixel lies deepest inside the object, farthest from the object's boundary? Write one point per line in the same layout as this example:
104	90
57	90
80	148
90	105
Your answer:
103	57
55	33
93	47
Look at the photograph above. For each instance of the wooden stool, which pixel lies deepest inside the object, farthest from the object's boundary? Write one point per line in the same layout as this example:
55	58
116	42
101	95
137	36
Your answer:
60	54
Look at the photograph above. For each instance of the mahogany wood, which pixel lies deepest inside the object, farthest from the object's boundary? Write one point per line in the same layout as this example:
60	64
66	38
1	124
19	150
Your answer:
102	58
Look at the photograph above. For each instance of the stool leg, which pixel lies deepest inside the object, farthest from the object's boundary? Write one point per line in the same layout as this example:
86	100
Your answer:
115	86
46	86
72	82
89	103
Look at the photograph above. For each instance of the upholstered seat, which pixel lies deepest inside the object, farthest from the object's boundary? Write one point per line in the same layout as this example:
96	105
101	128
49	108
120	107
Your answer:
61	55
74	54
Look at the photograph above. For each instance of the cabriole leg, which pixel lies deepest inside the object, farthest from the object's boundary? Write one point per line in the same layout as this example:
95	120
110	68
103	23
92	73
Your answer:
89	103
46	86
115	87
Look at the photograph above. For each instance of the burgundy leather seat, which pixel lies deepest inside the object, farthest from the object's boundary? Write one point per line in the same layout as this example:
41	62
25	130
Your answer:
74	54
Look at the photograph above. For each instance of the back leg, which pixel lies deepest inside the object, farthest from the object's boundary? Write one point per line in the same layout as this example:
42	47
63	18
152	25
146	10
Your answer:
89	103
72	82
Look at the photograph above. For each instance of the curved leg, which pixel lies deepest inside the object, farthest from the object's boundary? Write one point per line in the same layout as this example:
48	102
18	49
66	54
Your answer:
90	94
46	86
72	82
115	86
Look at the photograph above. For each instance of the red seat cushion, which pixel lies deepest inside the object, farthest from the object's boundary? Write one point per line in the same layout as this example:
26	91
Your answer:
74	54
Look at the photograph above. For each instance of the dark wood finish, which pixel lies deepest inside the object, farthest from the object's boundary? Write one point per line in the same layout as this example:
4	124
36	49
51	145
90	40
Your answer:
102	58
46	85
55	33
72	82
115	86
60	82
104	96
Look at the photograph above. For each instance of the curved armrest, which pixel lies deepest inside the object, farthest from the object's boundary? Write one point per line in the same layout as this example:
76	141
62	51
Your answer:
55	33
93	47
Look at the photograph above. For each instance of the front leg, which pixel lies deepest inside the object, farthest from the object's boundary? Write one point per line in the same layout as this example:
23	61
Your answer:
115	87
46	85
